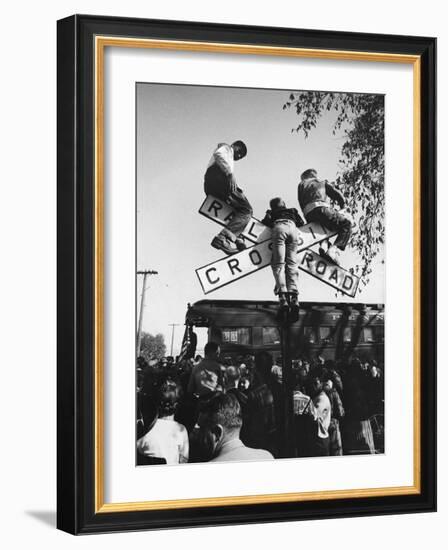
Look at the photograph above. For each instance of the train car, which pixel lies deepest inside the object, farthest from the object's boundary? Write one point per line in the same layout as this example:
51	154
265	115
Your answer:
337	331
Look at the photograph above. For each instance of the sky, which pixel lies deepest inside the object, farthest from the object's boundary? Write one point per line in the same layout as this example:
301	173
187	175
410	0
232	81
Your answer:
178	127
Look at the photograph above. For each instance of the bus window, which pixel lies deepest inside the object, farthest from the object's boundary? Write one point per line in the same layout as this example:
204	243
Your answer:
347	337
367	334
271	336
310	335
236	336
379	331
325	335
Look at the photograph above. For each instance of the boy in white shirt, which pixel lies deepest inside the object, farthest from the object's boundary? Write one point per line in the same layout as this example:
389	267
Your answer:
219	181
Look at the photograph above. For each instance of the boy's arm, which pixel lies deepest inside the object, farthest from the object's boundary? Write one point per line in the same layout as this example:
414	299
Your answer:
267	220
298	218
334	194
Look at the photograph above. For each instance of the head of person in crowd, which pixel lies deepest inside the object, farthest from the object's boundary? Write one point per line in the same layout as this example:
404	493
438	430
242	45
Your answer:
249	360
374	372
356	364
243	369
232	377
212	351
239	149
163	363
328	385
142	362
220	420
168	399
316	384
365	366
244	383
306	366
320	361
140	378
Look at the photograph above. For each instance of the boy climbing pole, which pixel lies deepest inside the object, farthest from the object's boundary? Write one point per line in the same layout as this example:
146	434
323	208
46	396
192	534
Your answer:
314	198
219	181
284	223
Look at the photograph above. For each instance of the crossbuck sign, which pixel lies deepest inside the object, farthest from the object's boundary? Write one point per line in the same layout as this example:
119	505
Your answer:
259	253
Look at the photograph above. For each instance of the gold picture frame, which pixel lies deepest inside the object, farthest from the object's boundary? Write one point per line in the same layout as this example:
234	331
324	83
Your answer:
75	36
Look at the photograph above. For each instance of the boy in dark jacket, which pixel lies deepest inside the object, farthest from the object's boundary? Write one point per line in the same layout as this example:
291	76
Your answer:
314	198
284	223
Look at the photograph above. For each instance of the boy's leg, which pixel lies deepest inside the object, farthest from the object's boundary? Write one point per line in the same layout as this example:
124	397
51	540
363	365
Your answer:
243	212
335	221
278	258
291	267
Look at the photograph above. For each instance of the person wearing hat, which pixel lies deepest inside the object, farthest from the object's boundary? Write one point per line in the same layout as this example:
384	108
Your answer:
219	181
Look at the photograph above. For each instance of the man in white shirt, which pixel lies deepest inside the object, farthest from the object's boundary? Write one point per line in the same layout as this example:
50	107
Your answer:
219	181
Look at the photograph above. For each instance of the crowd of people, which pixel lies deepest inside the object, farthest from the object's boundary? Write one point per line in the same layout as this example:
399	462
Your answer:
217	408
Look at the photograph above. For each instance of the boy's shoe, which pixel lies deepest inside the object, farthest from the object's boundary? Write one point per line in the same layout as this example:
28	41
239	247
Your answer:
294	311
240	244
332	254
283	300
294	300
221	243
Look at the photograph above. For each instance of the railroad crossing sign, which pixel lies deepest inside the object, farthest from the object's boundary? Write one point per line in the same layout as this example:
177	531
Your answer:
232	268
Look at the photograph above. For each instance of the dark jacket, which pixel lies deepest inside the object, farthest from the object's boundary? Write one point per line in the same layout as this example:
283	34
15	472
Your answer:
259	418
313	193
282	214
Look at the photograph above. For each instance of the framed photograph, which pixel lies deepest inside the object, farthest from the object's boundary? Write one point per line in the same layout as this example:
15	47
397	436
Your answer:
246	274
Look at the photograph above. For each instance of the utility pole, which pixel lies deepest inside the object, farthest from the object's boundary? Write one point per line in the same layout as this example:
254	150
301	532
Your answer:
286	318
142	306
172	325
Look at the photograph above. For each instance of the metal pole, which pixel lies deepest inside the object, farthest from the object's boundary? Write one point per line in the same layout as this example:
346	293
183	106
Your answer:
173	325
140	318
142	307
288	389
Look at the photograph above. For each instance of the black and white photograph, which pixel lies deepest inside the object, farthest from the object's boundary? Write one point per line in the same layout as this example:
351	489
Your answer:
260	276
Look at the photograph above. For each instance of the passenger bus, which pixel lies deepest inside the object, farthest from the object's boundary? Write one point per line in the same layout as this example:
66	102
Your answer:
337	331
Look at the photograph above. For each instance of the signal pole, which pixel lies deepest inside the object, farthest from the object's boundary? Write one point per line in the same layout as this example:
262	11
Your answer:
286	318
173	325
142	306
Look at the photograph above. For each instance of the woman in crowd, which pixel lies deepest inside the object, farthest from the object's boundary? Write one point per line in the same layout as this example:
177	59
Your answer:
167	439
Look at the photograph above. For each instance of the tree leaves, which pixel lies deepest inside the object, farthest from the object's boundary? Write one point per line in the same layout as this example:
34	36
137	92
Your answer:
152	347
360	120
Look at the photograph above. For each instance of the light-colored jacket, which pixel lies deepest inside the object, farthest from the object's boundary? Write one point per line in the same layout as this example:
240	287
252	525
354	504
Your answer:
223	157
322	408
235	450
